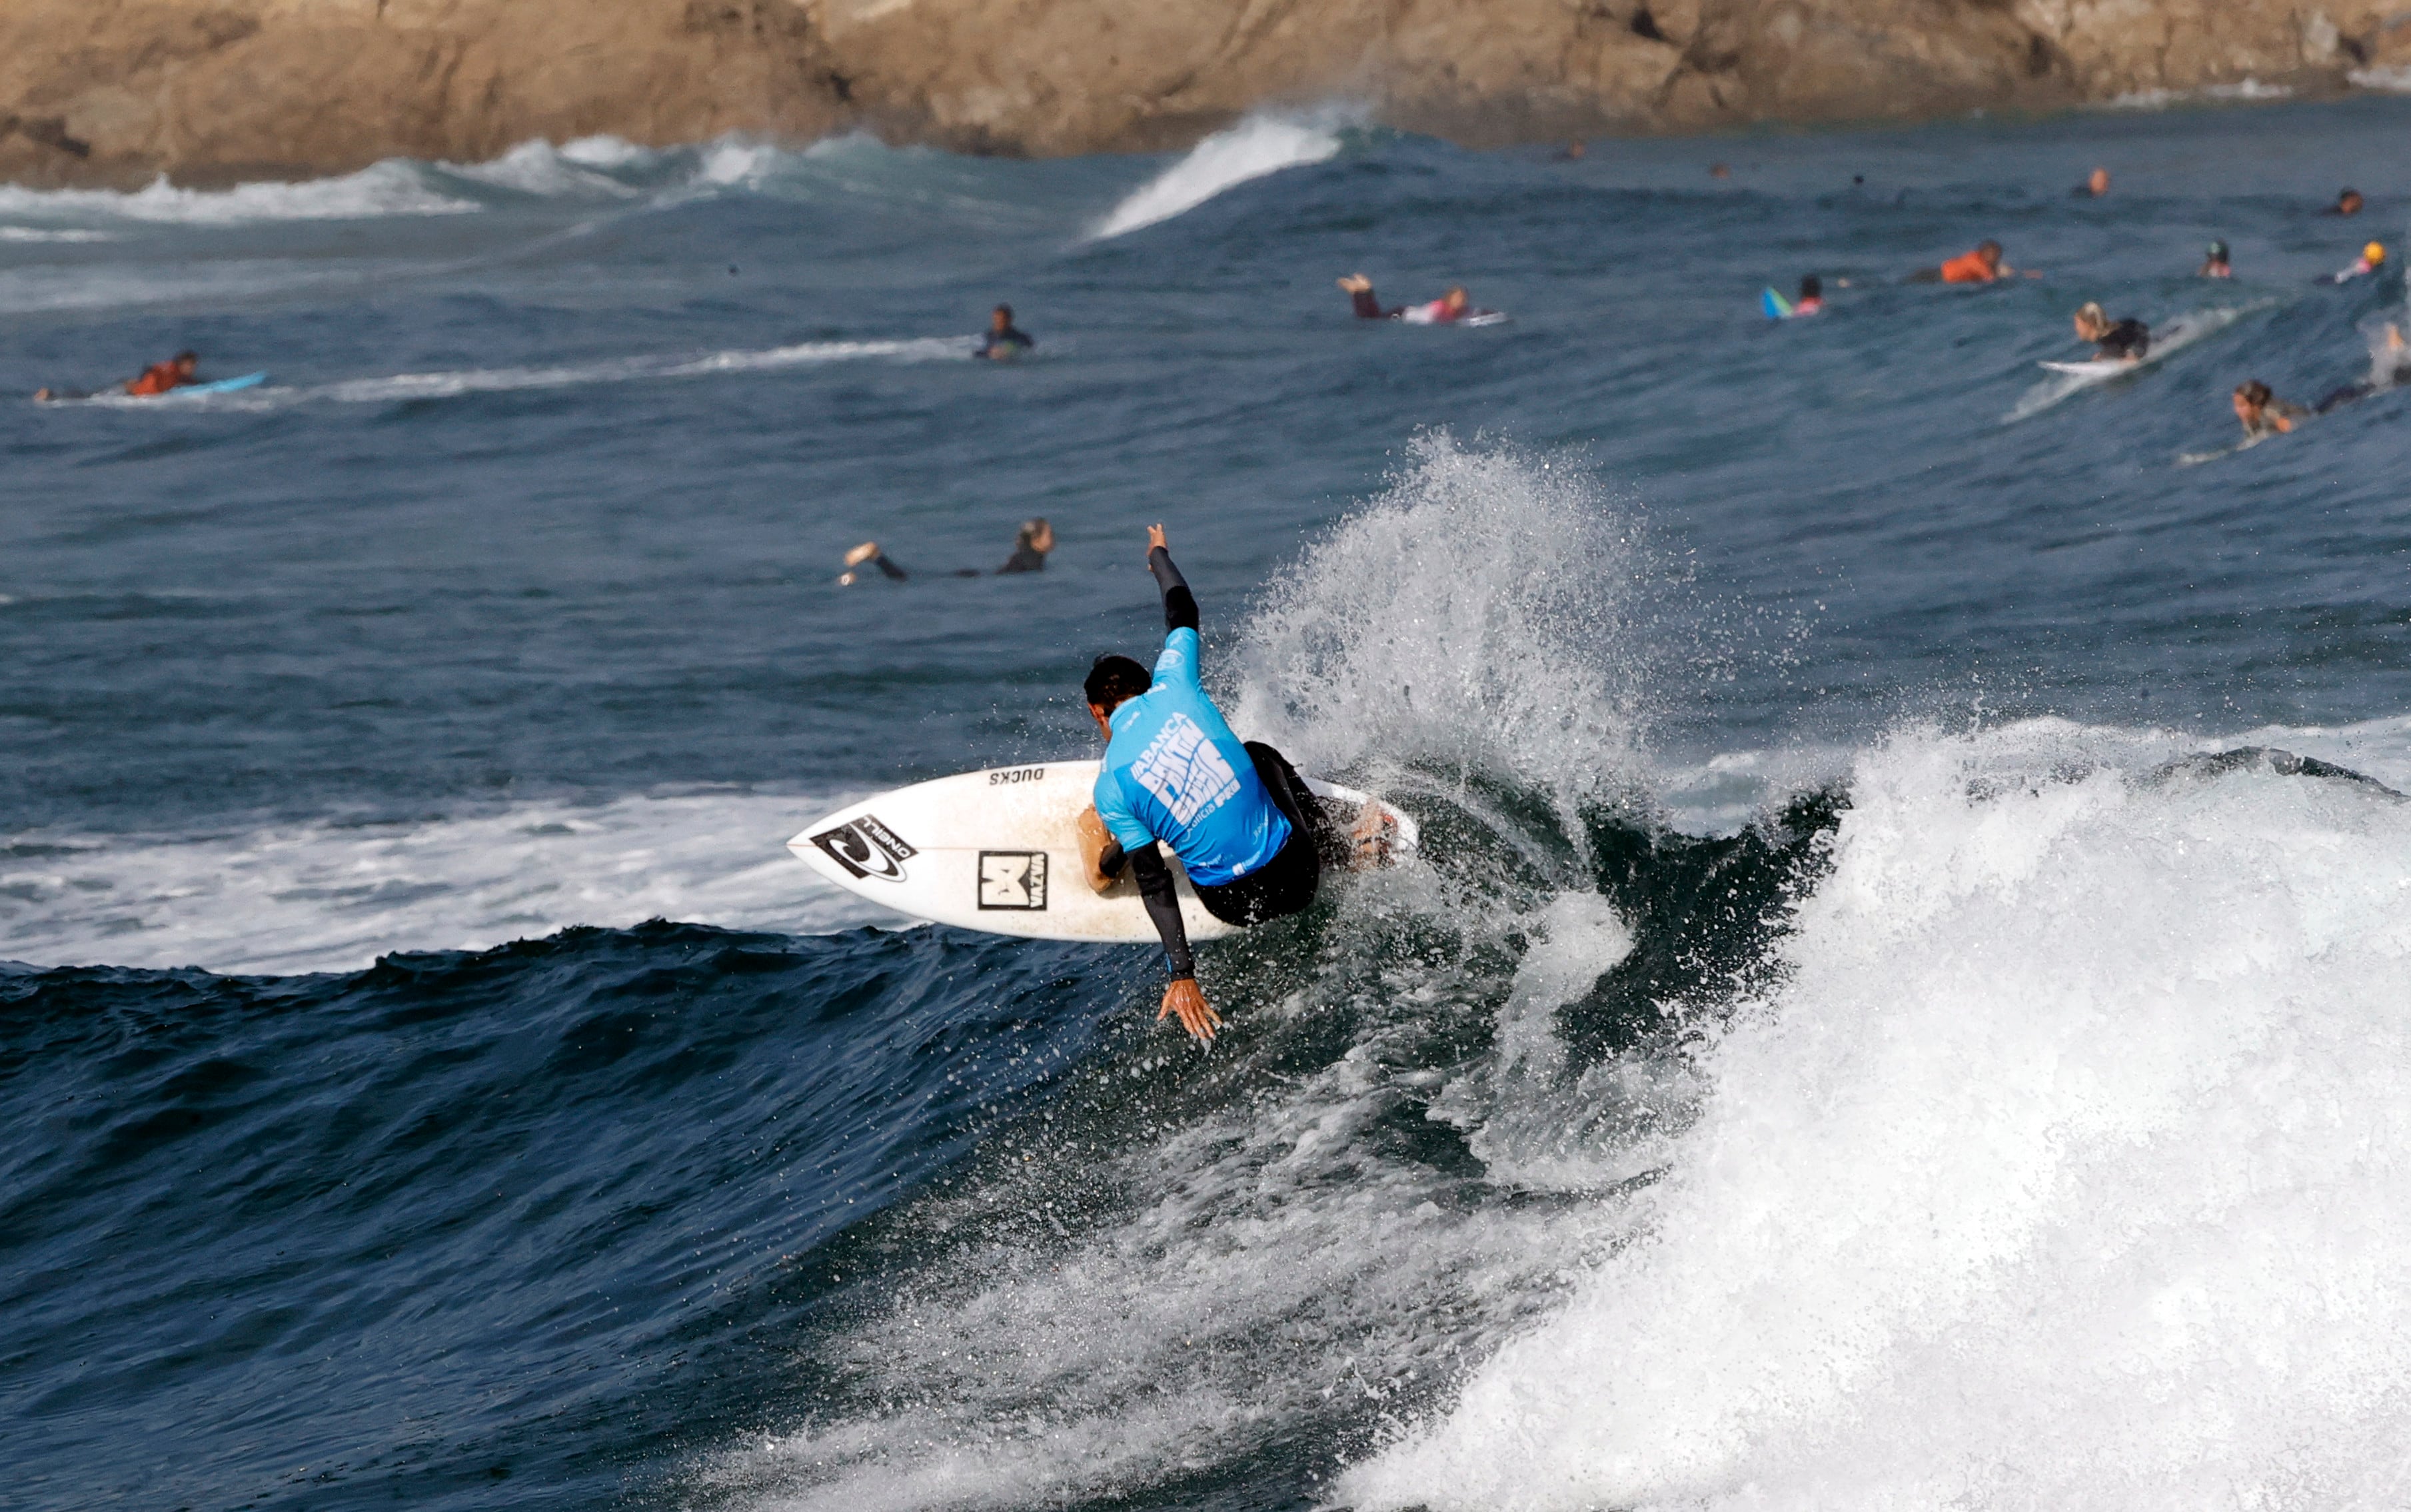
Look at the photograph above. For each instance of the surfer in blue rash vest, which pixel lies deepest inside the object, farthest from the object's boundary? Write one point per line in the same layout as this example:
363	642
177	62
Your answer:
1237	814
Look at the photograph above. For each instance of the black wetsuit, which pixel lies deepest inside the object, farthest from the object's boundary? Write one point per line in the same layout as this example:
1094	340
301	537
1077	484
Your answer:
1025	558
1284	885
1014	338
2128	341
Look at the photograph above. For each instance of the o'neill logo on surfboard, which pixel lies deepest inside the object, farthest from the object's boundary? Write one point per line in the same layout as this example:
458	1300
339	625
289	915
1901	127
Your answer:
865	848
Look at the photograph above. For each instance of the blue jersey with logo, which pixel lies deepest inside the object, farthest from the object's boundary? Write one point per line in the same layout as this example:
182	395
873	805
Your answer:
1173	772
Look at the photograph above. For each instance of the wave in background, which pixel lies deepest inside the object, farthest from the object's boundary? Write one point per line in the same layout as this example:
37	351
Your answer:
1257	146
604	172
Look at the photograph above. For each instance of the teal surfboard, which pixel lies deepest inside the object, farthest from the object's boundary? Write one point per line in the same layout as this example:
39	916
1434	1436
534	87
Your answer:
223	386
1775	305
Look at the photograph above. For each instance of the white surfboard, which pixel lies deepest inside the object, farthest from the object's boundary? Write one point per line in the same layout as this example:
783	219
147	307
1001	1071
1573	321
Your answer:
999	850
2099	368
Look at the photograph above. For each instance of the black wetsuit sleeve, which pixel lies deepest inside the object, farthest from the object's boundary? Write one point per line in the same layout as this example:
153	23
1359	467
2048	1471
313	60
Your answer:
1180	605
1164	907
1110	859
2129	338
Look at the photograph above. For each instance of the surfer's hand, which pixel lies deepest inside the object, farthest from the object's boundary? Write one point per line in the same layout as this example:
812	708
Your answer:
1155	537
1183	999
1092	851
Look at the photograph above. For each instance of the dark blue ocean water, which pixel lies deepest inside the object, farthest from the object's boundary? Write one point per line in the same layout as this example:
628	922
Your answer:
1779	701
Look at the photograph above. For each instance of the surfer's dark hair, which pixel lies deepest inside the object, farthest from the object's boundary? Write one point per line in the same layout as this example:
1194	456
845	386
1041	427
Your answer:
2253	392
189	356
1113	680
1812	288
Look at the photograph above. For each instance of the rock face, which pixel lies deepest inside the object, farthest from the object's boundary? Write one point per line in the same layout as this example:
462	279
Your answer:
114	92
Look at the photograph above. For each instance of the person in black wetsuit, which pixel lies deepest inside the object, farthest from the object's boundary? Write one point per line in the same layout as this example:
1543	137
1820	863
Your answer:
1030	545
1249	833
2390	366
1029	548
1005	340
2126	341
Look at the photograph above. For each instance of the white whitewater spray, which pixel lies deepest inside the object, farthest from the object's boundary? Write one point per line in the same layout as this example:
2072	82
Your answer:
1251	150
331	896
2068	1167
1477	616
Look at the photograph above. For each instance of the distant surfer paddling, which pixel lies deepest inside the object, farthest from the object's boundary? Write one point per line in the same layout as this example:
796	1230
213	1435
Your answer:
1448	310
2122	340
179	371
1981	266
1030	545
1237	815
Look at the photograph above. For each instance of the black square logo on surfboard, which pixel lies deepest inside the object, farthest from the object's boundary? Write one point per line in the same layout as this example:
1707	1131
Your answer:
865	848
1013	879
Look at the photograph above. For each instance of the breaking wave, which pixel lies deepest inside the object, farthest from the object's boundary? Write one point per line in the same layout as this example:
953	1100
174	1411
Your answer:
1254	148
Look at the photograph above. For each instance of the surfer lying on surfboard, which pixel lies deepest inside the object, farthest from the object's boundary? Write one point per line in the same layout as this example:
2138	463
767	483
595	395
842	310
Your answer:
1238	816
1450	307
2126	340
2262	413
178	371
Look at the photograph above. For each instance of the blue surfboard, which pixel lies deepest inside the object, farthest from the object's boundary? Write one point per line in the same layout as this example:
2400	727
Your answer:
223	386
1775	305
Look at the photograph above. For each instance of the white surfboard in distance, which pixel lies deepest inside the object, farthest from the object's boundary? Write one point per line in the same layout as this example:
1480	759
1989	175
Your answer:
999	850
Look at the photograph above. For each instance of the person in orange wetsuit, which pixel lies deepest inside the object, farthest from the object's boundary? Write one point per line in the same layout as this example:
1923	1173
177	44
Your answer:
162	376
1981	266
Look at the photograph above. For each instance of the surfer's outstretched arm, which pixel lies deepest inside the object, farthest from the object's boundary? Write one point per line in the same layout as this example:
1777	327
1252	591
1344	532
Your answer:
1180	605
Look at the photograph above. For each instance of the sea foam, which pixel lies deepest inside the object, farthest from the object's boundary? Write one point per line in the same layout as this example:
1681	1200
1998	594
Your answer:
332	897
2069	1166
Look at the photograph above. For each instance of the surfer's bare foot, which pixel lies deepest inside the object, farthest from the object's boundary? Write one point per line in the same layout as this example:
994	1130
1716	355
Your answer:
1184	999
1355	283
862	553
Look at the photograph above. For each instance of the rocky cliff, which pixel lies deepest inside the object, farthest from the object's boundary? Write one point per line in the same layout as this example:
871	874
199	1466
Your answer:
118	90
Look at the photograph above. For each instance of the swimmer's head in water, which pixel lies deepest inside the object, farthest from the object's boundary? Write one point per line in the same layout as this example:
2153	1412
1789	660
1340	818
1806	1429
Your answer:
2098	181
1990	252
2090	321
187	361
2374	254
1812	288
1112	681
1457	299
2348	203
2218	252
1036	534
2252	394
1000	318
